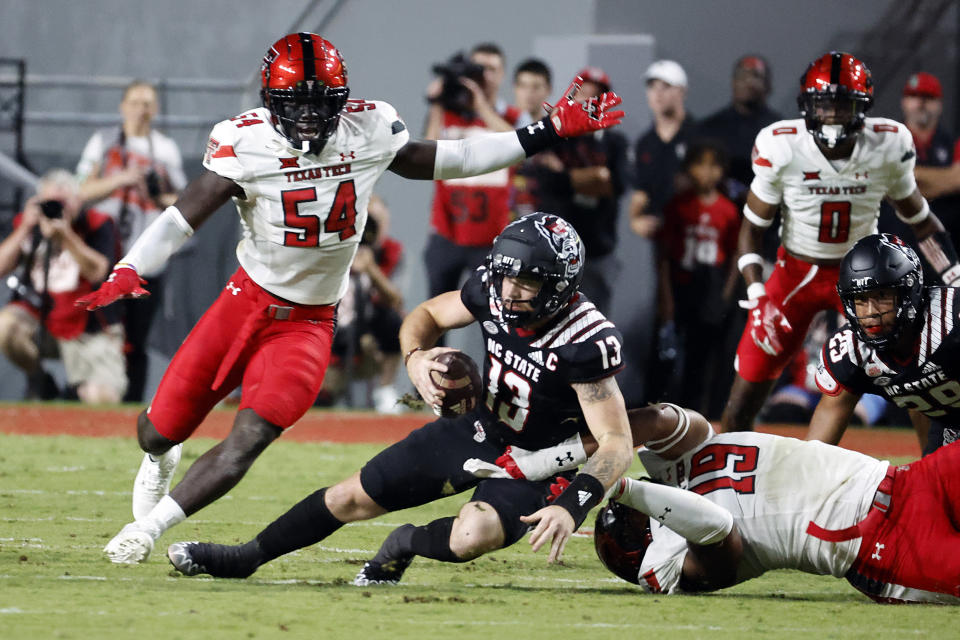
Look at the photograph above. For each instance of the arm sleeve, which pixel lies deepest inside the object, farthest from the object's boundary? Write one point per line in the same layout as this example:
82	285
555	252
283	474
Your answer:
767	161
902	162
477	155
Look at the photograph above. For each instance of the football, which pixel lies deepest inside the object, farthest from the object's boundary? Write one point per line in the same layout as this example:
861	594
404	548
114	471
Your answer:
461	384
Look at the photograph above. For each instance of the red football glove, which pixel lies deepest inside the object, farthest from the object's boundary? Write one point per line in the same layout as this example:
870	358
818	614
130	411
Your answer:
509	464
557	487
124	282
767	325
571	119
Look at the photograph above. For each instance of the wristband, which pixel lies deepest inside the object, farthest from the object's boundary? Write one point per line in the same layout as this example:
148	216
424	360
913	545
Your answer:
583	494
406	356
754	219
919	216
748	259
538	136
756	290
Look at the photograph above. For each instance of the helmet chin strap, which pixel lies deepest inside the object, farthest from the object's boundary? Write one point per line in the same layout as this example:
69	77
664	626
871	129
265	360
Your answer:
831	134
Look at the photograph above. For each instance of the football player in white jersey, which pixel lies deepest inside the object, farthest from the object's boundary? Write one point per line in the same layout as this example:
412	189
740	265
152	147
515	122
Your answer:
726	508
300	170
827	173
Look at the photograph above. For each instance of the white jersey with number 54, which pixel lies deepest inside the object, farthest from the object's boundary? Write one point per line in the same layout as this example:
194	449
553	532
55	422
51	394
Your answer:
774	487
303	214
825	208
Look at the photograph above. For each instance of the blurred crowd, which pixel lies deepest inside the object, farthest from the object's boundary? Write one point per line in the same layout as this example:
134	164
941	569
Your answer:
682	184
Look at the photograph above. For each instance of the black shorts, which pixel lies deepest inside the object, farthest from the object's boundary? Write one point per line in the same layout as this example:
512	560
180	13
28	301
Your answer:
428	465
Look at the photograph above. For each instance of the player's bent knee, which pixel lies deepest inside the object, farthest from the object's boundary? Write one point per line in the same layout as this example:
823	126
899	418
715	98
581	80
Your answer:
348	502
477	530
150	440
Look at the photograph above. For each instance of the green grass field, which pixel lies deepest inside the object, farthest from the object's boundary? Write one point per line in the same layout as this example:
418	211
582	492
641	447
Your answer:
62	498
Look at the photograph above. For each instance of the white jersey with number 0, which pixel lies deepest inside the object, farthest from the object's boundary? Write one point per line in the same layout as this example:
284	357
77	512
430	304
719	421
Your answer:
303	214
774	487
825	209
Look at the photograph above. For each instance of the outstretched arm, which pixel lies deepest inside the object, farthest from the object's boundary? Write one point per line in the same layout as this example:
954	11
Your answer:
443	159
831	417
163	237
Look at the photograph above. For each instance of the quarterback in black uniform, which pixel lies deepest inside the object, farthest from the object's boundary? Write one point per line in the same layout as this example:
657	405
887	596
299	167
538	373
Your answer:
902	342
548	370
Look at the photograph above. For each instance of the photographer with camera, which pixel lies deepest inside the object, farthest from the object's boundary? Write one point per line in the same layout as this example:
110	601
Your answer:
133	172
57	253
468	213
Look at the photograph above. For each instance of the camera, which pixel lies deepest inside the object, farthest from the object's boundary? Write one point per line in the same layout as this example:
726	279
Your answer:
454	96
52	209
152	180
370	232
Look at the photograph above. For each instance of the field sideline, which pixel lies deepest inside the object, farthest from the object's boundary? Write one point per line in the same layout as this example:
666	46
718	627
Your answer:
63	494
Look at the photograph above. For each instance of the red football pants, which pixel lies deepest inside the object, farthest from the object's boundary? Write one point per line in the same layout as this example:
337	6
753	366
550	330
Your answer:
242	339
800	290
915	545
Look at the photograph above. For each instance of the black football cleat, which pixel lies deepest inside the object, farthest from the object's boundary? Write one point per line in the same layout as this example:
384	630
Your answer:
388	565
218	560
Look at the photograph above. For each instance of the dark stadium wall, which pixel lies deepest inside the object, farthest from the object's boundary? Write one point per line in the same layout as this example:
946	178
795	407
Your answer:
389	48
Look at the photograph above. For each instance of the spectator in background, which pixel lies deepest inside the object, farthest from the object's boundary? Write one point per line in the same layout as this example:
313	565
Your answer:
581	180
938	159
367	342
736	125
59	252
468	213
133	172
698	281
532	86
660	150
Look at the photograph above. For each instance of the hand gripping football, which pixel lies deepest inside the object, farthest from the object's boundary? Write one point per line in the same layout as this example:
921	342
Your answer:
461	384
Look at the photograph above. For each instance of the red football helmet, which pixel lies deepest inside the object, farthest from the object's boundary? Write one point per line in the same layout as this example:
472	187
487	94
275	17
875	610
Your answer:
303	82
836	87
621	536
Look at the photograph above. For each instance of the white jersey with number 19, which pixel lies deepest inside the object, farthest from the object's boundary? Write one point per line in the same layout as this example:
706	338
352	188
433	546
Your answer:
774	487
827	206
303	214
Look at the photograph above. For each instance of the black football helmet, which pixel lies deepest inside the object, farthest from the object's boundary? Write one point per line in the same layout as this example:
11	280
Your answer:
882	261
845	84
621	536
541	246
303	82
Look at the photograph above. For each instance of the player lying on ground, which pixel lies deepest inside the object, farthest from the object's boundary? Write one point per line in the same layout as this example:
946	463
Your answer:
902	342
549	366
300	170
748	503
827	174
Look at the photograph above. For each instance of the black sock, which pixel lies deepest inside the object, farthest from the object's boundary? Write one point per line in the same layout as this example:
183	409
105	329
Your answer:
430	541
306	523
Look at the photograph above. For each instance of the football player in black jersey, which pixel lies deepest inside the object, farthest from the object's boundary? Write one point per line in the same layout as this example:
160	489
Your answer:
548	370
902	343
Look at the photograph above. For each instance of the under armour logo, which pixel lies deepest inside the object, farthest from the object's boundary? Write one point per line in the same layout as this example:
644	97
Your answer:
235	290
348	156
663	516
565	458
876	554
532	128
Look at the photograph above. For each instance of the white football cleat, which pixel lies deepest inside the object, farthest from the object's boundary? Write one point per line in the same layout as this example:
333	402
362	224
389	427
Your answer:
131	546
153	480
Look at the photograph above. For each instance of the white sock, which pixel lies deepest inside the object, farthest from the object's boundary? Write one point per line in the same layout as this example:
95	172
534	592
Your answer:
684	512
162	457
166	514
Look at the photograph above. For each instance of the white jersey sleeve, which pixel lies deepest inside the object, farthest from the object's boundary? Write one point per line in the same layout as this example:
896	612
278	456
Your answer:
769	160
901	160
303	213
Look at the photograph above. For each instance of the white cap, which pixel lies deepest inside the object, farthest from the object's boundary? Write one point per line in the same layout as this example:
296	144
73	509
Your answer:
668	71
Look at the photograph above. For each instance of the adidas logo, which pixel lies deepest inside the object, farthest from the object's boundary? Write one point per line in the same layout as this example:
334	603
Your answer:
930	367
583	496
537	356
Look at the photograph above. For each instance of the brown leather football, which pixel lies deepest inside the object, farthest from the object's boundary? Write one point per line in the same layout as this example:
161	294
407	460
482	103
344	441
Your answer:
461	384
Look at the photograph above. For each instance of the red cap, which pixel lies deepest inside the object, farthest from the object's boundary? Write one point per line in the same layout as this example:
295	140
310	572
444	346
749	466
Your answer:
923	85
597	76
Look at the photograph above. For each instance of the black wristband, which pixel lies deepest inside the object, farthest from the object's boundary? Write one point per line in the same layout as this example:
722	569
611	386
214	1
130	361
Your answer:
583	494
538	136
